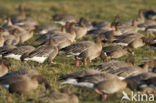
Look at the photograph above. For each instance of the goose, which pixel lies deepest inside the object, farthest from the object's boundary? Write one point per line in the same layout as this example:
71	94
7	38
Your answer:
114	52
126	71
150	14
6	48
62	96
85	50
44	52
65	33
4	66
89	80
111	66
23	34
87	23
46	28
16	53
140	78
23	81
113	85
143	26
81	30
63	18
13	38
151	82
129	29
124	40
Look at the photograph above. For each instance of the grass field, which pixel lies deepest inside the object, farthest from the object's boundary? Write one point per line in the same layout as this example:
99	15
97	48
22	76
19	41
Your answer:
99	10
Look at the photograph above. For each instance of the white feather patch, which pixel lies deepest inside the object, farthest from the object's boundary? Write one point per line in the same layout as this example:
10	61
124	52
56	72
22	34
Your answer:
122	44
69	81
13	56
37	59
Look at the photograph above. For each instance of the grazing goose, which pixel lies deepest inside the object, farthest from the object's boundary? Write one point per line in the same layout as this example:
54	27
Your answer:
81	31
63	18
138	79
114	52
89	80
125	40
23	81
130	70
113	85
111	66
18	52
151	82
6	48
64	96
44	52
85	50
4	67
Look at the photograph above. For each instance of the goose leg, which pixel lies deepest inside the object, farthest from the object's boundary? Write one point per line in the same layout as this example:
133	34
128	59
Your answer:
152	34
85	61
147	36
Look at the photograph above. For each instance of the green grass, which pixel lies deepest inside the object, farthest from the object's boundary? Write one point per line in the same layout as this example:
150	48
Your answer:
99	10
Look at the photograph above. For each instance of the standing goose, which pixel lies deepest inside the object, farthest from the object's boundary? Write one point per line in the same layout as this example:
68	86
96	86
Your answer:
18	52
63	18
23	81
85	50
44	52
4	67
64	96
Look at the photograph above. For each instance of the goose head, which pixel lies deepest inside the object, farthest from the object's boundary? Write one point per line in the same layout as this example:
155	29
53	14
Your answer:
130	60
41	80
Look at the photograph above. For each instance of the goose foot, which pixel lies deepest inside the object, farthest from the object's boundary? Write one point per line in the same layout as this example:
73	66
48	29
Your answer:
85	61
77	63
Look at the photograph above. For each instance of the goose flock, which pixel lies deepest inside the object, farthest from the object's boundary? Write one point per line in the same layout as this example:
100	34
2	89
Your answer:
111	40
